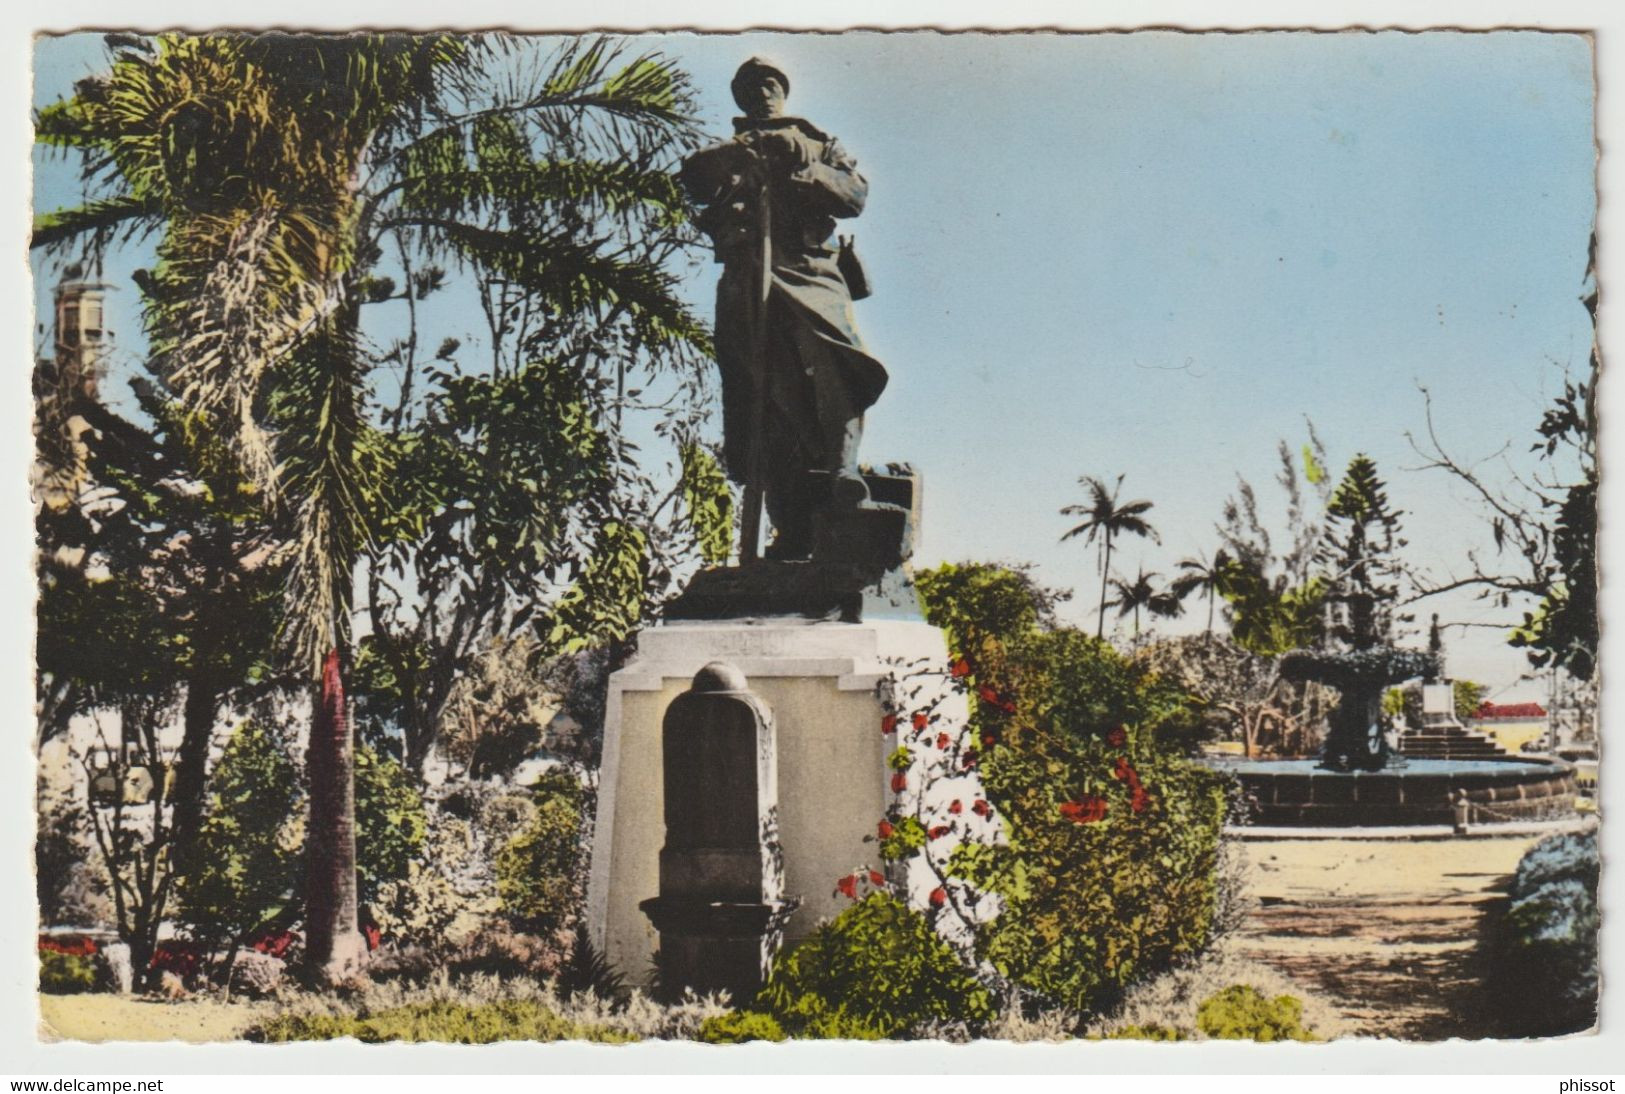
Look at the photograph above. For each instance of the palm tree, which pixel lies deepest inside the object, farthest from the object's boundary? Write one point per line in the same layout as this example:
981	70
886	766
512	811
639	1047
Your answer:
272	168
1105	517
1143	592
1204	575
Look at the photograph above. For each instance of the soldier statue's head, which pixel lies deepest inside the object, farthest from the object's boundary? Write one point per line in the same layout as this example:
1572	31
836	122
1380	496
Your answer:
760	88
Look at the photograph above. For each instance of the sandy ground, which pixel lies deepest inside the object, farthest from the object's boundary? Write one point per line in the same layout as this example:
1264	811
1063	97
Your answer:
114	1018
1384	930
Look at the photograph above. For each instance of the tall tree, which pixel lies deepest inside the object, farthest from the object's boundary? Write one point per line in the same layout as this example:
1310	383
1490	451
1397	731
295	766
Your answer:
1543	525
1201	574
274	167
1143	592
1104	516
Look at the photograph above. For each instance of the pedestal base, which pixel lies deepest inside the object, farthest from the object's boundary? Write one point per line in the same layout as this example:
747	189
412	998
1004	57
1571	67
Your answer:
819	679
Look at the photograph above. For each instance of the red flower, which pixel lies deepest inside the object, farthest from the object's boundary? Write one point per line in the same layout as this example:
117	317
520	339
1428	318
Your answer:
960	667
939	897
942	740
1086	810
956	806
885	830
848	886
80	946
1139	799
876	878
981	808
989	740
1122	769
373	935
899	782
968	760
938	831
275	943
921	720
988	695
1117	736
888	724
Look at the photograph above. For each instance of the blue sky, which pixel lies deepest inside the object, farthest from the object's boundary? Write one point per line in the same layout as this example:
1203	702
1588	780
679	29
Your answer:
1156	253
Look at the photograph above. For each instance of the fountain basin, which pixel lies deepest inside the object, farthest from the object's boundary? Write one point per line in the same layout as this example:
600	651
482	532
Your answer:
1297	793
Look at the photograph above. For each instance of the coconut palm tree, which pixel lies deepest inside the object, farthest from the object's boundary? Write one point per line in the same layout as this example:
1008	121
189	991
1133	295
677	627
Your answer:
1143	592
272	169
1202	574
1105	517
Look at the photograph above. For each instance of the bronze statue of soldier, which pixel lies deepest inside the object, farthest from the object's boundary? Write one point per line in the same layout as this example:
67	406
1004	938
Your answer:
796	378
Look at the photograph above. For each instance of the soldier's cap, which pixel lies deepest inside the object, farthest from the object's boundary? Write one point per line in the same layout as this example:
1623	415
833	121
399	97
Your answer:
754	70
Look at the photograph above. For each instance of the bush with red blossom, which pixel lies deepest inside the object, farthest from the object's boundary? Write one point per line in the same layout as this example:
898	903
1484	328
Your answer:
1108	872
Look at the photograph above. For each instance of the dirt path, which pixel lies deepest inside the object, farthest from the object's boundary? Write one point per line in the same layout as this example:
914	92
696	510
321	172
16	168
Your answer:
1385	930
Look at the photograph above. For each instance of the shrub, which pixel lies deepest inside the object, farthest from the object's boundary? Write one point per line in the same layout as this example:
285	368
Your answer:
256	975
66	973
1242	1013
1173	1000
390	819
1111	870
874	971
500	951
245	860
738	1026
1544	953
1144	1033
442	1020
538	872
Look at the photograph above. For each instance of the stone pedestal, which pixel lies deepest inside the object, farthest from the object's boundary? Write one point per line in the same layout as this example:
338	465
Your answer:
819	679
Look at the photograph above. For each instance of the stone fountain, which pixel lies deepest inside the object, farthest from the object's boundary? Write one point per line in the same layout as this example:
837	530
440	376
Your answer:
1359	781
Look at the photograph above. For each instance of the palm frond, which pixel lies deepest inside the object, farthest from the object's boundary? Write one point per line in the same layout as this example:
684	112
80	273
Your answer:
125	214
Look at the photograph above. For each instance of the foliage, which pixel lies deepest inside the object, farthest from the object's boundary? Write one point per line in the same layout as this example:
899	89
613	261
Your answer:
1545	953
1467	696
68	887
589	972
1144	1033
1144	592
739	1026
1233	692
246	865
708	503
1268	617
1104	516
1543	527
391	823
448	1022
1242	1013
1176	1000
872	972
133	840
497	714
66	973
538	872
1109	872
1272	596
1359	545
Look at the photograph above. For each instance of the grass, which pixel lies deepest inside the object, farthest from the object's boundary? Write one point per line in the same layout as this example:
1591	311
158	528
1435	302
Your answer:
444	1021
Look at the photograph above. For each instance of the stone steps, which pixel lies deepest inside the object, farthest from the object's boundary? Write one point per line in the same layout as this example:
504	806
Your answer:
1449	741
